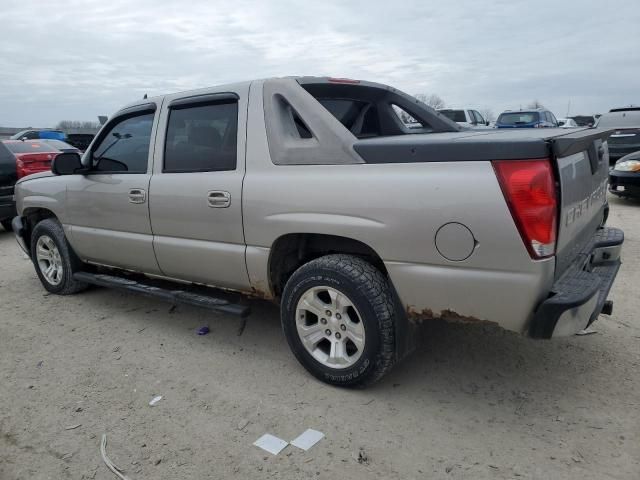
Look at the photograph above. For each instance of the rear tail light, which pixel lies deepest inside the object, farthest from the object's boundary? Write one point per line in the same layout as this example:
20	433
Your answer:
28	163
529	189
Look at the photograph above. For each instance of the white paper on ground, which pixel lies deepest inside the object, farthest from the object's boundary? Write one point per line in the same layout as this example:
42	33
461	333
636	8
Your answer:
155	400
271	444
308	439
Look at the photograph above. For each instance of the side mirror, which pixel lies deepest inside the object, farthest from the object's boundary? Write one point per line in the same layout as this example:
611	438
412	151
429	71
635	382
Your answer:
67	164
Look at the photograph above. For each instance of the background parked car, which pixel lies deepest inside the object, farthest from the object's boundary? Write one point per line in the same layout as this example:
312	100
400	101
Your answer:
38	134
584	120
567	123
18	159
80	140
62	146
626	136
538	118
624	177
465	117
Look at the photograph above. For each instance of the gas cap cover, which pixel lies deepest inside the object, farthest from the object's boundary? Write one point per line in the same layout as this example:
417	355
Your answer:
455	241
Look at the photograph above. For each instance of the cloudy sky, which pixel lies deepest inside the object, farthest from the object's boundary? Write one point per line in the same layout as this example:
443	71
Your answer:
80	59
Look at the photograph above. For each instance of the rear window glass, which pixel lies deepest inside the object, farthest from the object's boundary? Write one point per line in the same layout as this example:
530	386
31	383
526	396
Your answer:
345	111
375	111
518	118
620	119
360	117
29	146
455	115
60	145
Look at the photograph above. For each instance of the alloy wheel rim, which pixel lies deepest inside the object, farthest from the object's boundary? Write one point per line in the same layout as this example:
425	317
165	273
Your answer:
330	327
49	260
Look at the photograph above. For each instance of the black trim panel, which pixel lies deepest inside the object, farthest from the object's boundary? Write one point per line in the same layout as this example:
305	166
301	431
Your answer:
183	296
143	107
185	102
576	142
417	149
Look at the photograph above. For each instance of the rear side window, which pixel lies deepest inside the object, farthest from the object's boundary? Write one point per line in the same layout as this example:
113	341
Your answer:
60	145
407	119
29	146
202	138
125	147
455	115
478	117
620	119
518	118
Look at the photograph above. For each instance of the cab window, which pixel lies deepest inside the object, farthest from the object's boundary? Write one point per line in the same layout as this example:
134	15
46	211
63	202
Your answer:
202	138
125	147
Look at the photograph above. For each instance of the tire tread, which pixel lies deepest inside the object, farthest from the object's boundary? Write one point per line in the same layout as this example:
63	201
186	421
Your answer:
374	286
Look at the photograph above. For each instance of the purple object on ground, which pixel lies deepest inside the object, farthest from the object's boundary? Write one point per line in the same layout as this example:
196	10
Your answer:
203	330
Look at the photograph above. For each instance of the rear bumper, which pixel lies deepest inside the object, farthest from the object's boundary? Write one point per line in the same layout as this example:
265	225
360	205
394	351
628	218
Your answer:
624	183
577	298
7	207
20	232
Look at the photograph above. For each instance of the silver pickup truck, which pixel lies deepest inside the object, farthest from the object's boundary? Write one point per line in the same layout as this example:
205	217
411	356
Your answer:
313	193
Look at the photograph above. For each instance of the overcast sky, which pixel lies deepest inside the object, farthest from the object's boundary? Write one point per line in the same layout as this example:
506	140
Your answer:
80	59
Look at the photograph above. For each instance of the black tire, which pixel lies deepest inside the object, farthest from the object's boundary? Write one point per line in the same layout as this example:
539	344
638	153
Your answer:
369	291
69	260
6	224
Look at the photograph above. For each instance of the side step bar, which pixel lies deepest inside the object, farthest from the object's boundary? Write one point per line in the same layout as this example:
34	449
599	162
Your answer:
173	296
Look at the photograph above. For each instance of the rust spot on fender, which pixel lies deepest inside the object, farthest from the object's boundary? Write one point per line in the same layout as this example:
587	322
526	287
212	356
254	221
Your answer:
419	316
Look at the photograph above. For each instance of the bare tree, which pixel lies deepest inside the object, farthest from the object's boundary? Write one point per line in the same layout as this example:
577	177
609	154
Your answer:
434	101
535	104
487	114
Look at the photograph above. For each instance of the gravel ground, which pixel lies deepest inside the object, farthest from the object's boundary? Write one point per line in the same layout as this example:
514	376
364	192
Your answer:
472	402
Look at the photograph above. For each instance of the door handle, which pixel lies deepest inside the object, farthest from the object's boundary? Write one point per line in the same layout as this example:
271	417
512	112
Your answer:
137	195
218	199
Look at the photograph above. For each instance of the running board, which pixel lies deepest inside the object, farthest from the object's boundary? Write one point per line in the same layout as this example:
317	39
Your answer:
173	296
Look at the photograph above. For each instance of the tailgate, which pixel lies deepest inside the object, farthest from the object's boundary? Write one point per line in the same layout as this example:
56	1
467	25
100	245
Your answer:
583	165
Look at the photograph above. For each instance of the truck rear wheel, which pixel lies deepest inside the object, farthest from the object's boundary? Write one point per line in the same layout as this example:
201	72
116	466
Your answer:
53	258
338	317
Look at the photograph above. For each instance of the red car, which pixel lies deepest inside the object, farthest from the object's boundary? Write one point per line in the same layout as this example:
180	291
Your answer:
18	159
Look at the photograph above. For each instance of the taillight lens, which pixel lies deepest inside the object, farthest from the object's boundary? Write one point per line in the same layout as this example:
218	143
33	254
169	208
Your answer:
28	163
529	189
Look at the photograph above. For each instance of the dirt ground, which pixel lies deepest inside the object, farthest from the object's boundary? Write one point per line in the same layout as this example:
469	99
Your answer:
472	402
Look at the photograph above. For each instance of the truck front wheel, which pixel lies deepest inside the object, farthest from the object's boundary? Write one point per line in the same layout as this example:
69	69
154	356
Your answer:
338	317
53	258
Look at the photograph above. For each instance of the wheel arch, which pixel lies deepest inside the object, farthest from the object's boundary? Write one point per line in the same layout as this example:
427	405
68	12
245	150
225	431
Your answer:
31	216
292	250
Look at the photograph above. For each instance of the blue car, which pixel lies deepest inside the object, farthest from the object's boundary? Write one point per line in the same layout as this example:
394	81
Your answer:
538	118
44	134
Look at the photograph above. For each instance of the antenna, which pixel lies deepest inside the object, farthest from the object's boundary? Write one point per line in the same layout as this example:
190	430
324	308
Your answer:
568	108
